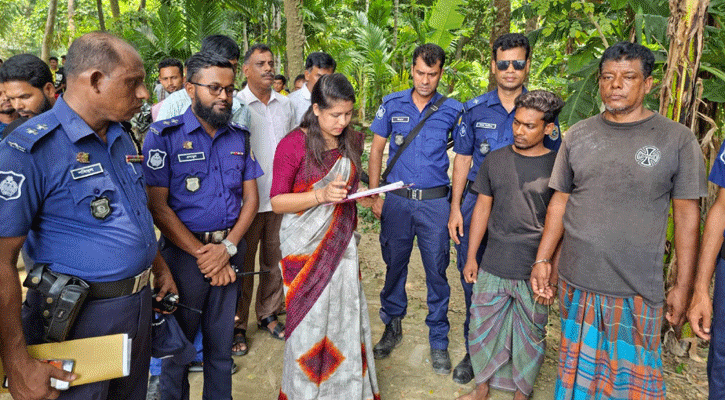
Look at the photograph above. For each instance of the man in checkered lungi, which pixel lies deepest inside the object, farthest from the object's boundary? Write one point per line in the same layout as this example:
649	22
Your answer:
615	176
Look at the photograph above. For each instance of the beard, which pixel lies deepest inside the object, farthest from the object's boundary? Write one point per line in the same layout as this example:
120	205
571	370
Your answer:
207	114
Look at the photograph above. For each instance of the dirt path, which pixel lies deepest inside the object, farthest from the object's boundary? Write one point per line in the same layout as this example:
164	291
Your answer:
407	373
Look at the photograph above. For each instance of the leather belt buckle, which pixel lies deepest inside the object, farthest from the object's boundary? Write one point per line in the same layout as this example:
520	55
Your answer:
416	194
141	280
218	236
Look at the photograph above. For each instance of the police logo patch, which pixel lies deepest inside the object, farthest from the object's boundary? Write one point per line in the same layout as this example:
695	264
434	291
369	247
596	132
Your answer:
100	207
722	157
648	156
484	147
10	185
193	183
555	133
381	112
157	159
462	129
399	139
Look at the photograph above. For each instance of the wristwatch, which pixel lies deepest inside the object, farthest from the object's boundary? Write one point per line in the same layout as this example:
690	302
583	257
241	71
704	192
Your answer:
231	248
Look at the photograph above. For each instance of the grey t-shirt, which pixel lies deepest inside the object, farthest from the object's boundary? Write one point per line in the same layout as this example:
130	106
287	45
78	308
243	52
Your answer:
621	178
520	189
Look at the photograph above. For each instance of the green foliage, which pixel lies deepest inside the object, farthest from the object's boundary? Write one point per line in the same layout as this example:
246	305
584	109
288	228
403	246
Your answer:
444	17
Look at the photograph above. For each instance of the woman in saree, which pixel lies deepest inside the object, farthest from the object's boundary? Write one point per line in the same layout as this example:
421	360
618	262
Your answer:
328	350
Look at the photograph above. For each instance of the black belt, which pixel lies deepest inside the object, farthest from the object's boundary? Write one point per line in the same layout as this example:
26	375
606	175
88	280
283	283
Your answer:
469	183
124	287
422	194
212	237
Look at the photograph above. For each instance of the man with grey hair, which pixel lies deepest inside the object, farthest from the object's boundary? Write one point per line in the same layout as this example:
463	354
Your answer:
86	222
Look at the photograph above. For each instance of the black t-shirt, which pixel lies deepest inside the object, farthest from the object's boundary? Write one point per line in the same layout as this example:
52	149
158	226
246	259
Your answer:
11	126
59	78
520	189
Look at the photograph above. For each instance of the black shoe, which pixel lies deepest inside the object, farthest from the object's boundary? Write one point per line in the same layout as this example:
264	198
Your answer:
392	337
153	392
463	373
441	361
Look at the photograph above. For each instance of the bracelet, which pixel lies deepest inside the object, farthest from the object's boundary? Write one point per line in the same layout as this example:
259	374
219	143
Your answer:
543	260
315	192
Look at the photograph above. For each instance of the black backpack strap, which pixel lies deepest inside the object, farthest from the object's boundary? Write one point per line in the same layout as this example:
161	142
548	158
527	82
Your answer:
411	136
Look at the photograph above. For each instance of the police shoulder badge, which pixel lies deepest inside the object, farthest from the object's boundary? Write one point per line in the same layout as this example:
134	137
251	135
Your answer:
157	159
10	185
381	112
100	207
193	183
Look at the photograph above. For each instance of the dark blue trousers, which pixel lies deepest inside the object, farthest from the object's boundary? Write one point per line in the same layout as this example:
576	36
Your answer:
217	326
401	221
469	201
716	357
126	314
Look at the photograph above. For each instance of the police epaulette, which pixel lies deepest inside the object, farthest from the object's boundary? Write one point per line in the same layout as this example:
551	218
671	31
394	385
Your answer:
24	137
395	95
474	102
158	127
237	125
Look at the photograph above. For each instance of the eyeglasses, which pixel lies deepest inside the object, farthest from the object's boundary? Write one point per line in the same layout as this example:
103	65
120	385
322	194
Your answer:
503	65
215	89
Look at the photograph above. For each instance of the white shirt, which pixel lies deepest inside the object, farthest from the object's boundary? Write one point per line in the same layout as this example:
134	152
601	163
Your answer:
300	99
268	124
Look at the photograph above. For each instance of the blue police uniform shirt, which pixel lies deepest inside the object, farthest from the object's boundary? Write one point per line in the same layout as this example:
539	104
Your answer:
485	126
425	162
82	206
717	173
204	175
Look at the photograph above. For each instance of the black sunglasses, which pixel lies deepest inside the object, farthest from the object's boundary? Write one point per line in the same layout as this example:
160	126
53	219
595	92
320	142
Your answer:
503	65
215	89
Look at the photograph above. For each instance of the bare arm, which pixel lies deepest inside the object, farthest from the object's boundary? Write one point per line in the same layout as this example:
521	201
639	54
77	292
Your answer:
479	223
296	202
28	378
541	272
461	166
686	215
375	164
700	311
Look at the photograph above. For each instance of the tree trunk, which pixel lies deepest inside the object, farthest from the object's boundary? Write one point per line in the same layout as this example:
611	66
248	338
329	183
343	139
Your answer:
295	36
71	21
396	12
142	5
115	9
501	25
680	90
48	34
101	20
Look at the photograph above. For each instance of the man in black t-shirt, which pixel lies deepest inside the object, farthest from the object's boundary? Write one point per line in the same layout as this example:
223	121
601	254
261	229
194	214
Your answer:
507	332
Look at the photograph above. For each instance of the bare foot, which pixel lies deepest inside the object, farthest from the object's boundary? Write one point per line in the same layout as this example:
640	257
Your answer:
479	393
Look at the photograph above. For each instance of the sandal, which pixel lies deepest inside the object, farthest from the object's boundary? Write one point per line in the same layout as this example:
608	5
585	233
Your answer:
240	338
277	332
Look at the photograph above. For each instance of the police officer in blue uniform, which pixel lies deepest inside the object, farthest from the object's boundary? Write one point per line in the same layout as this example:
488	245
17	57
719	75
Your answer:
712	261
203	196
419	211
72	190
486	125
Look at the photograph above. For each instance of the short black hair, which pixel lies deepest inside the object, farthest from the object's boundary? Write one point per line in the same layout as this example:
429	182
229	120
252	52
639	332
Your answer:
300	77
222	45
630	51
280	78
321	60
509	41
26	68
430	54
171	62
93	50
543	101
63	56
203	60
53	58
261	47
